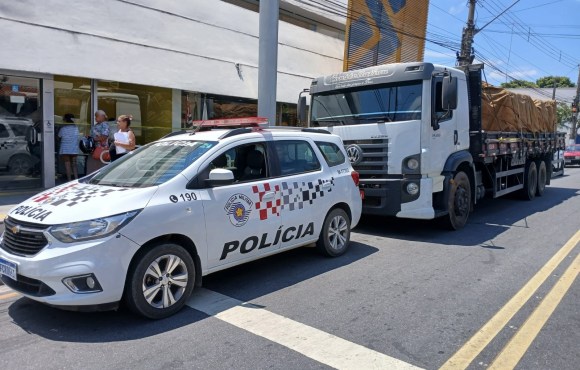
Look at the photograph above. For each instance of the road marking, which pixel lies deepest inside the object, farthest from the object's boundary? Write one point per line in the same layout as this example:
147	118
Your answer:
521	341
467	353
8	295
306	340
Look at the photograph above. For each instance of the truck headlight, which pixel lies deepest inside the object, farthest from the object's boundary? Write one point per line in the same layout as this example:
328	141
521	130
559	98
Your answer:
412	164
91	229
412	188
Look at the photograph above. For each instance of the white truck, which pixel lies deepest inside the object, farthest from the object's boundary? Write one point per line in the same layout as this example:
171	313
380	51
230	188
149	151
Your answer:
414	133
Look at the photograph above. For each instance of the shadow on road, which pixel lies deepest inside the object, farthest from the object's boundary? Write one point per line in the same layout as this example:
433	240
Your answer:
490	218
253	279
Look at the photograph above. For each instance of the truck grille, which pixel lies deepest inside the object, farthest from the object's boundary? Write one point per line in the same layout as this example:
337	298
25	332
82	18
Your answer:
23	238
374	163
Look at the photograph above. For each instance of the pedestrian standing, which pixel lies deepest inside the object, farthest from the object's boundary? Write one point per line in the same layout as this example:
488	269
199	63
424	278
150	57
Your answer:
68	151
100	134
124	138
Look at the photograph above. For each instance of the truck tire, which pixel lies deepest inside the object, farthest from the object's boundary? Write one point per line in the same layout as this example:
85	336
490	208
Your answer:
335	234
160	281
459	203
530	181
542	177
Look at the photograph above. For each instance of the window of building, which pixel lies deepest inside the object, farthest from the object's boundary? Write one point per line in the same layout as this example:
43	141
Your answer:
73	95
150	106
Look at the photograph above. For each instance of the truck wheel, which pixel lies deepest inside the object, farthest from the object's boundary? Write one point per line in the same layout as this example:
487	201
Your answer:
459	203
335	234
530	181
160	281
20	165
542	178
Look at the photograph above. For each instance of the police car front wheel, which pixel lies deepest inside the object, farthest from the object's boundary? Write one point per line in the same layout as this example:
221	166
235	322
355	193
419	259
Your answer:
335	235
160	281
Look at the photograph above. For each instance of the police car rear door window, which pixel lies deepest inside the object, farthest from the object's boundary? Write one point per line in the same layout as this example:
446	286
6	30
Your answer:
295	156
152	165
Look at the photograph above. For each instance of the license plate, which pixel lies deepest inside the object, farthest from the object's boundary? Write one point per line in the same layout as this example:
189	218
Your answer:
568	161
8	269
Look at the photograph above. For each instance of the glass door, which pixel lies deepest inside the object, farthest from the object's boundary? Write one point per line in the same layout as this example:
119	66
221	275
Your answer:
20	133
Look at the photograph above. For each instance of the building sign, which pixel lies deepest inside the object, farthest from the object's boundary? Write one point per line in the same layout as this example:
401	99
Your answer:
384	31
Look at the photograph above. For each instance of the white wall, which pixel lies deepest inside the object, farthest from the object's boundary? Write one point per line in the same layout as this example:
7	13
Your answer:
190	45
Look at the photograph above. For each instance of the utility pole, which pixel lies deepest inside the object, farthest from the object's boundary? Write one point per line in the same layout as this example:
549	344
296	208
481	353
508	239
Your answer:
575	115
465	57
268	60
554	91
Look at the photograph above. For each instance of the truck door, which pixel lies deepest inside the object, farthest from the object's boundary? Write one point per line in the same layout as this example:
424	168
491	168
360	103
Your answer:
444	139
242	218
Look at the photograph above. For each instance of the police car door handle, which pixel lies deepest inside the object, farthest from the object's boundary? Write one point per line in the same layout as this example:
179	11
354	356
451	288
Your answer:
269	195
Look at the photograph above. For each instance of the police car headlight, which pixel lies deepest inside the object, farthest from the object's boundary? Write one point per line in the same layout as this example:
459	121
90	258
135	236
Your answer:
92	229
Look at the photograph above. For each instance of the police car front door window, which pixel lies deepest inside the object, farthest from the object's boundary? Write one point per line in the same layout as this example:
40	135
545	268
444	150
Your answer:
153	164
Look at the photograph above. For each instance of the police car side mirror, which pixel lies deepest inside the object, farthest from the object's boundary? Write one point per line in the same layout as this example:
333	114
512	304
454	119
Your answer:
220	176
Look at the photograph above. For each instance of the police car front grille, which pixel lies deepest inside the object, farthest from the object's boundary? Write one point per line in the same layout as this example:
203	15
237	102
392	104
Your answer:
374	164
23	238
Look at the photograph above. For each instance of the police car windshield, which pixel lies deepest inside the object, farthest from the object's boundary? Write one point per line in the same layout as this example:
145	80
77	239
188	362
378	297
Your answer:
153	164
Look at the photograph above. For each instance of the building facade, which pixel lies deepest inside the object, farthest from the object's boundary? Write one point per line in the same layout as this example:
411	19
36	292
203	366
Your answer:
167	63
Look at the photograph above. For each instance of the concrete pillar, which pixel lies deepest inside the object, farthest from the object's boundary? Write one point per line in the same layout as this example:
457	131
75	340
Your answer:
268	60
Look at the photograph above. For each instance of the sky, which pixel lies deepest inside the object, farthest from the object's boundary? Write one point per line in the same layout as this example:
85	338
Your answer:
533	39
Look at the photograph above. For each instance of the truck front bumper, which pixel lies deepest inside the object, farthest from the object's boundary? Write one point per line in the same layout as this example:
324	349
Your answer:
391	198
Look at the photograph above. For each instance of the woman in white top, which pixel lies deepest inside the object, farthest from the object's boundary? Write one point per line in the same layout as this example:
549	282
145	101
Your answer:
125	141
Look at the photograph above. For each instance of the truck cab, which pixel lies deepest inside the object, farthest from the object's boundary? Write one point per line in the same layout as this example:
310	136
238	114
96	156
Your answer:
397	133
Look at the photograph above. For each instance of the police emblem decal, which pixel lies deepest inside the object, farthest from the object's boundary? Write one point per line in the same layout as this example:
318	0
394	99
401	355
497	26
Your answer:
238	209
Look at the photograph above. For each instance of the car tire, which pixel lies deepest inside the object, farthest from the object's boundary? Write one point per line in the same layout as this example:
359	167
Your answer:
542	178
335	234
160	281
459	203
20	165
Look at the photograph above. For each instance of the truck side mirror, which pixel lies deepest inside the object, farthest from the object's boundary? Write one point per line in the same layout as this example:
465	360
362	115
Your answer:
302	109
449	93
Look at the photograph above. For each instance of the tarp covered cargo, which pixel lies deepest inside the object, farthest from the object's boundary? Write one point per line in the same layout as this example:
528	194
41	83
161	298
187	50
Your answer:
502	110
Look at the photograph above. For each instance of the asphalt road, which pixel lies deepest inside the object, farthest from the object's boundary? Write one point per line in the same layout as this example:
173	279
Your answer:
406	293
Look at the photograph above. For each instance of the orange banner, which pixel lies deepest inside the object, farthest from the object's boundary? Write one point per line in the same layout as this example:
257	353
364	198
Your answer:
384	31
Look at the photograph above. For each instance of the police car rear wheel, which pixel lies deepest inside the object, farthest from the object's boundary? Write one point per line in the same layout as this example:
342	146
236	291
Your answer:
161	281
335	234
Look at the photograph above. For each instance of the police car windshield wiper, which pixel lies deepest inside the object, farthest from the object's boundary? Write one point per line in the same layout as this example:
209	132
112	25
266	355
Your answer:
377	118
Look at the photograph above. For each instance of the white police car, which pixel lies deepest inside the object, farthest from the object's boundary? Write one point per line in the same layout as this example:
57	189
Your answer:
147	227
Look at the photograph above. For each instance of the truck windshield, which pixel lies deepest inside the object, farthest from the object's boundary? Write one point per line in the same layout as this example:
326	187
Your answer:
369	104
153	164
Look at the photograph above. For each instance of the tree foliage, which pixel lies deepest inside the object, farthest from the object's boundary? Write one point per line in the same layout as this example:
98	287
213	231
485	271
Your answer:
564	113
514	84
548	81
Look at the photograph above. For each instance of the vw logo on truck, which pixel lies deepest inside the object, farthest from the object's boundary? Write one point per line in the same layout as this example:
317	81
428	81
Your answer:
354	153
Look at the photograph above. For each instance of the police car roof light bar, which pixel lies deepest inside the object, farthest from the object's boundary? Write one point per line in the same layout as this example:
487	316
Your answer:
231	123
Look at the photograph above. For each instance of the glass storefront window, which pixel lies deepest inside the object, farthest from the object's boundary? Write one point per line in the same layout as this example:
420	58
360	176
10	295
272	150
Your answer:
151	108
73	95
198	106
